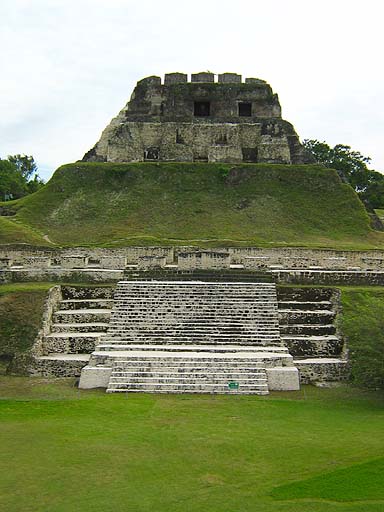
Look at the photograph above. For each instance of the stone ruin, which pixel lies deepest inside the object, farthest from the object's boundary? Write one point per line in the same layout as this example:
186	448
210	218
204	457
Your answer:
200	121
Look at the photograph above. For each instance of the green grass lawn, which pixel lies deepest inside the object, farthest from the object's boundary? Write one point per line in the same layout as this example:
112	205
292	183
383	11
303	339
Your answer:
65	450
105	204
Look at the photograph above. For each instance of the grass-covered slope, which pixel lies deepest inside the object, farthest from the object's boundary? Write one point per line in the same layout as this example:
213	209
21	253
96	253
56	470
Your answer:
21	310
363	324
200	204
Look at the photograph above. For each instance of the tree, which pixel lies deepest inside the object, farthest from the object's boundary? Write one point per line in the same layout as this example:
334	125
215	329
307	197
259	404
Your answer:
25	165
352	167
18	177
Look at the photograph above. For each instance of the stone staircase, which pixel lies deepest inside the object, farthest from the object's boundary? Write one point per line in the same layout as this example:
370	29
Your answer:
308	329
188	336
77	327
306	317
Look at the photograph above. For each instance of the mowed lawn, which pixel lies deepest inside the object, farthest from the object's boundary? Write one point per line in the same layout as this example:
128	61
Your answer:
63	449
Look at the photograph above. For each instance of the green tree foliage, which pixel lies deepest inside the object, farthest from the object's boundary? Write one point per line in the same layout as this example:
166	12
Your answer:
18	177
352	166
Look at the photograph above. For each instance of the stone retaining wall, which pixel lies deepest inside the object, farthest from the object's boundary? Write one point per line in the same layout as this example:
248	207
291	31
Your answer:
251	258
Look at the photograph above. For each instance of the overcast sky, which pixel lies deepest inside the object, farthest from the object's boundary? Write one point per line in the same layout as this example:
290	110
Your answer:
69	66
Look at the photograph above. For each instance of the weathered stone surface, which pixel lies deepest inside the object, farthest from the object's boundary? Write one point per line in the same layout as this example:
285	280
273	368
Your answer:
283	378
201	120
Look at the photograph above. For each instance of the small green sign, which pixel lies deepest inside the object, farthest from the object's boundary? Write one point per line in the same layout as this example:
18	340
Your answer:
233	385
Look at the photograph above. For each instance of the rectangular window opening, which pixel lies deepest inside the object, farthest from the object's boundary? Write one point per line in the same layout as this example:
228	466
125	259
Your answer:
245	109
201	108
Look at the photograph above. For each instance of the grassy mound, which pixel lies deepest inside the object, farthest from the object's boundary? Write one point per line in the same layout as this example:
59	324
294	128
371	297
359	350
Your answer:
64	449
363	323
21	310
196	204
11	232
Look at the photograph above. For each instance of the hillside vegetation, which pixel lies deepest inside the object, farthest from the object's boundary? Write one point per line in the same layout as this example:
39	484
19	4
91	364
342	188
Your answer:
192	204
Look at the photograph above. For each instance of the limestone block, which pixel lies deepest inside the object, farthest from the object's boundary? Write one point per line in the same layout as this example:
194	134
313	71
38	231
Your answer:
76	261
203	77
148	262
5	263
227	78
115	262
94	377
254	81
322	370
37	261
283	378
175	78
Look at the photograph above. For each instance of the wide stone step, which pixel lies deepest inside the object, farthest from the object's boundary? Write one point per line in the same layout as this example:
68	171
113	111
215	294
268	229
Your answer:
305	305
72	343
221	346
304	294
97	327
311	346
190	359
211	309
261	389
190	284
187	378
305	317
308	329
126	332
115	345
86	304
202	372
88	292
218	347
61	365
82	315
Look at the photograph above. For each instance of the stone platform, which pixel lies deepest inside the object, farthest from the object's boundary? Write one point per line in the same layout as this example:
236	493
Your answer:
181	337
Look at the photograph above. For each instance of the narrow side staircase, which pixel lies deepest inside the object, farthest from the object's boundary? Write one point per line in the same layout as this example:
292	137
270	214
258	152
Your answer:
77	327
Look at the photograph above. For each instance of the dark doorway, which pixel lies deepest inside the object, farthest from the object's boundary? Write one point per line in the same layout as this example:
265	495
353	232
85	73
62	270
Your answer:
151	153
245	109
249	154
202	108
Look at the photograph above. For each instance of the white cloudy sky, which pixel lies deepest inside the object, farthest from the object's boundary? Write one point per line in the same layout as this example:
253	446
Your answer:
68	66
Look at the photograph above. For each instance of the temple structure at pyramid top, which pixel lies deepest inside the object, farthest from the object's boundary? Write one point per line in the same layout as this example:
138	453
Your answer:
201	120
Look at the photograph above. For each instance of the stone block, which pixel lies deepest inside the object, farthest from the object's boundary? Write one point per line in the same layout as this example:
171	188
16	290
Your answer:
76	261
94	377
37	261
254	81
115	262
284	378
229	78
148	262
175	78
206	77
150	80
5	263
